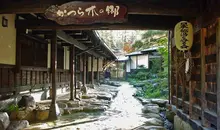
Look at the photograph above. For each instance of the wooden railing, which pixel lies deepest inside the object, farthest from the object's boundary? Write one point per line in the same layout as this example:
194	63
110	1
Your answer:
29	79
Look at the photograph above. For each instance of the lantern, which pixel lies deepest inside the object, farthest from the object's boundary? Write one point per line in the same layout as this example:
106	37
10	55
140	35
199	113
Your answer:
183	35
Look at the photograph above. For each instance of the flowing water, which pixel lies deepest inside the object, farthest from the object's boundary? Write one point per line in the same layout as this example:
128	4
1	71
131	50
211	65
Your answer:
124	113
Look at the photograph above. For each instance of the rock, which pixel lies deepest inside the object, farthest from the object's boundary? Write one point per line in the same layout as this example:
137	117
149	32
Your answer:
152	115
150	128
154	122
90	86
179	124
168	125
62	105
42	115
94	108
4	121
159	102
170	116
18	125
68	111
139	85
28	115
144	101
27	101
88	96
84	89
73	104
151	108
61	111
105	97
79	84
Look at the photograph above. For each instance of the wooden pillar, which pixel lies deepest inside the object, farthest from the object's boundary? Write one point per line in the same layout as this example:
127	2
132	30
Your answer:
17	77
84	69
203	87
98	70
177	75
81	67
87	69
169	65
72	77
54	110
218	74
92	70
75	68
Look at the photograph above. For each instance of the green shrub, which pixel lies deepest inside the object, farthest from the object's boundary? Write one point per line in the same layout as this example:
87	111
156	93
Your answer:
12	108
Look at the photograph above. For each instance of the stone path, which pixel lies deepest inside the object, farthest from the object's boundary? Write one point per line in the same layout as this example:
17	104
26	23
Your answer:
124	113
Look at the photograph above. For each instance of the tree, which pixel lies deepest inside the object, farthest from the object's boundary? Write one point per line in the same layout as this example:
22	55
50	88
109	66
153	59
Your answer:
149	39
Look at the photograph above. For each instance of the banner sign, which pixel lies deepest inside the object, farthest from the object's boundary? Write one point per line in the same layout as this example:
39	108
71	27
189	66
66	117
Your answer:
183	35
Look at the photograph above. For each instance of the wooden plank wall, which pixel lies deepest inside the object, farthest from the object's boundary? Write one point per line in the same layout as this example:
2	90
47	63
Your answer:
33	73
198	97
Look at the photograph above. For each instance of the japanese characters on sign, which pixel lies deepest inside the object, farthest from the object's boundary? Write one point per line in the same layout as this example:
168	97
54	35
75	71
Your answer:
183	35
86	13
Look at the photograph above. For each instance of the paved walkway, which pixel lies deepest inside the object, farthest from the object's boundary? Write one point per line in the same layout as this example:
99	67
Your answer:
123	114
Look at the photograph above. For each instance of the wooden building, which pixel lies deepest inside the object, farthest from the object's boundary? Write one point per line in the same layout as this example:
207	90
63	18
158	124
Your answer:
30	35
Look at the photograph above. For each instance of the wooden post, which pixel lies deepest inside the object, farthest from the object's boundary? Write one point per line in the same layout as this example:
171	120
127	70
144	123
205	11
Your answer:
218	74
81	66
17	77
98	70
72	58
75	67
84	69
203	87
169	64
177	76
92	71
87	69
54	110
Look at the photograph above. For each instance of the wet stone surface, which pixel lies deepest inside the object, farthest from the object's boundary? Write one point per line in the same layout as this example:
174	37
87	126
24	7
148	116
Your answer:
124	112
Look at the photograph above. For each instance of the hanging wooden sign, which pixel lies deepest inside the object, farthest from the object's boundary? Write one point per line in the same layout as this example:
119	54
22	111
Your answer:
87	13
183	35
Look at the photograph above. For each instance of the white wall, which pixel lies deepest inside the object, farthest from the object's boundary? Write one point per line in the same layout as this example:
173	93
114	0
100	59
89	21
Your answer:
8	40
143	60
128	68
133	62
66	58
137	61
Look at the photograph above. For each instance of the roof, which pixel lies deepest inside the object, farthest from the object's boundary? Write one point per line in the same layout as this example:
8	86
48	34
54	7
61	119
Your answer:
123	58
134	53
144	51
152	49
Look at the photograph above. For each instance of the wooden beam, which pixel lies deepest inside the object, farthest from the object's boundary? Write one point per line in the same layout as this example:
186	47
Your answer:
135	22
72	62
140	7
53	107
62	35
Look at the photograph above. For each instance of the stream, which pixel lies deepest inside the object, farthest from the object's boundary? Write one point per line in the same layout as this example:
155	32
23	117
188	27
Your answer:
124	113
